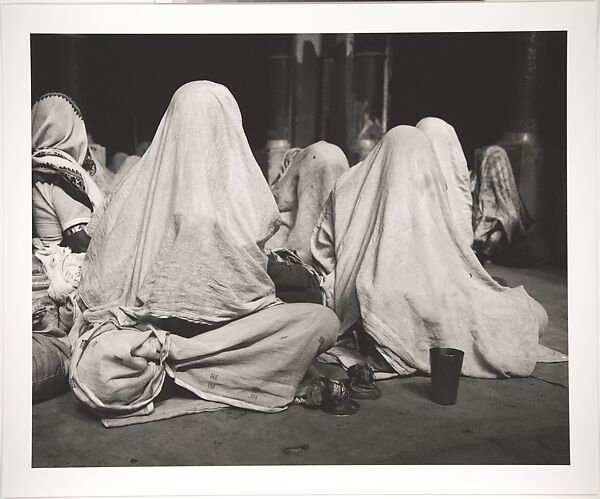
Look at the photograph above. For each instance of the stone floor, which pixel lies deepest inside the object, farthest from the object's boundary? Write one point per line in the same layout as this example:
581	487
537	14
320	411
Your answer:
515	421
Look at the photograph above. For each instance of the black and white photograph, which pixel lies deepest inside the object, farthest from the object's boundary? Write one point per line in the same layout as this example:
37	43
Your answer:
289	248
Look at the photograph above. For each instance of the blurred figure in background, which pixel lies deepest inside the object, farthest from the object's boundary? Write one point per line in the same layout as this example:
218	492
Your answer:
142	147
117	160
500	221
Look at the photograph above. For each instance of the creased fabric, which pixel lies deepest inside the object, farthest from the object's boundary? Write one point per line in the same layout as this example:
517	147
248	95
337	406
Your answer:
63	268
178	245
165	409
394	259
183	233
454	168
60	149
498	212
50	347
301	192
257	362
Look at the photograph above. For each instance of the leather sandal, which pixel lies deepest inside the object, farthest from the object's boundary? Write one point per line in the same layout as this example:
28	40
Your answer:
331	396
361	382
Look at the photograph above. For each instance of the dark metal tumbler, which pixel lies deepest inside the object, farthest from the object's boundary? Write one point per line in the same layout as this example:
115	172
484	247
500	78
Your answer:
445	364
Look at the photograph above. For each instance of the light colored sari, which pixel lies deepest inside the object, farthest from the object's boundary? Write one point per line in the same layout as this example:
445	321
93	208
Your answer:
393	257
454	168
181	238
499	215
60	149
301	192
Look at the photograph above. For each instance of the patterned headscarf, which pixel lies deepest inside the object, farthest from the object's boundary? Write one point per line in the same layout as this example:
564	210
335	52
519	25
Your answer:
60	153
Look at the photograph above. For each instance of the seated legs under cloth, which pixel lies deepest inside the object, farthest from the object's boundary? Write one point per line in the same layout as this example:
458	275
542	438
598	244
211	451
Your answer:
256	362
501	223
50	366
189	223
394	258
50	346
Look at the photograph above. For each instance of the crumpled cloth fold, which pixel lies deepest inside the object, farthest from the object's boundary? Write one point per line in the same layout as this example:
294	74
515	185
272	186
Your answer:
393	257
182	235
63	268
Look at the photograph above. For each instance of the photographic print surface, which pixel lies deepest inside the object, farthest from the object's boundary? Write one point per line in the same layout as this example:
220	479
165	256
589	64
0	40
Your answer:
336	209
504	95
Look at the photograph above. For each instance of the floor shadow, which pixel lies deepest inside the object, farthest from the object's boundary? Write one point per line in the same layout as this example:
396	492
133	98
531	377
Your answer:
420	387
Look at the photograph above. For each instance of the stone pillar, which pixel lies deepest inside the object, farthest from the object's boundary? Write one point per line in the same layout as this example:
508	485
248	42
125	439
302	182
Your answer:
328	89
74	82
307	86
342	102
369	68
522	140
278	106
72	69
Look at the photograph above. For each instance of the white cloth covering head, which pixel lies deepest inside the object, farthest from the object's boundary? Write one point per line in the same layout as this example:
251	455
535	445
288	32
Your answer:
56	123
396	261
183	234
452	161
499	214
302	191
59	148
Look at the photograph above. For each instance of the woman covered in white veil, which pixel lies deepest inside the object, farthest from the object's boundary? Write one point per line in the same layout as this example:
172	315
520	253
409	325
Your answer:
453	165
175	278
395	258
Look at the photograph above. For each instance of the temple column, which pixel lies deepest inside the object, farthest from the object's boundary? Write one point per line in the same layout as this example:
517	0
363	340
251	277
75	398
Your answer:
307	86
369	70
72	69
278	107
522	140
75	52
328	89
342	102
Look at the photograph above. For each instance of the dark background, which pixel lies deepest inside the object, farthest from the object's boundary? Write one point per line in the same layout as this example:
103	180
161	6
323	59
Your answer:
465	78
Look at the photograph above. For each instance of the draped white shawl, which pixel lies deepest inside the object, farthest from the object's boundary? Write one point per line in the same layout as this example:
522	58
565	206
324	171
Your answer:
302	191
455	171
59	142
182	234
394	258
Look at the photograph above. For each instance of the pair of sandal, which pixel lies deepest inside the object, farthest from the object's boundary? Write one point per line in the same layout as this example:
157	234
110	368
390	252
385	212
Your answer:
339	397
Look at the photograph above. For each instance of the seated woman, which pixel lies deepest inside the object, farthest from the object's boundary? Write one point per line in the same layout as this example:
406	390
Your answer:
175	278
456	174
393	258
64	195
302	191
500	219
64	192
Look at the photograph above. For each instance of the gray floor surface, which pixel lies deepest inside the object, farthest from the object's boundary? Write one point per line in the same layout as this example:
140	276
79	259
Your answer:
514	421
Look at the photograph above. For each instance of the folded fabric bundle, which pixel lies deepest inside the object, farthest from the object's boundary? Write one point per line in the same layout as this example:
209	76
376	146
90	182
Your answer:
63	269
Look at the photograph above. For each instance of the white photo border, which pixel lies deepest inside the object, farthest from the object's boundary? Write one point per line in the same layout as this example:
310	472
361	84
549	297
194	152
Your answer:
578	18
